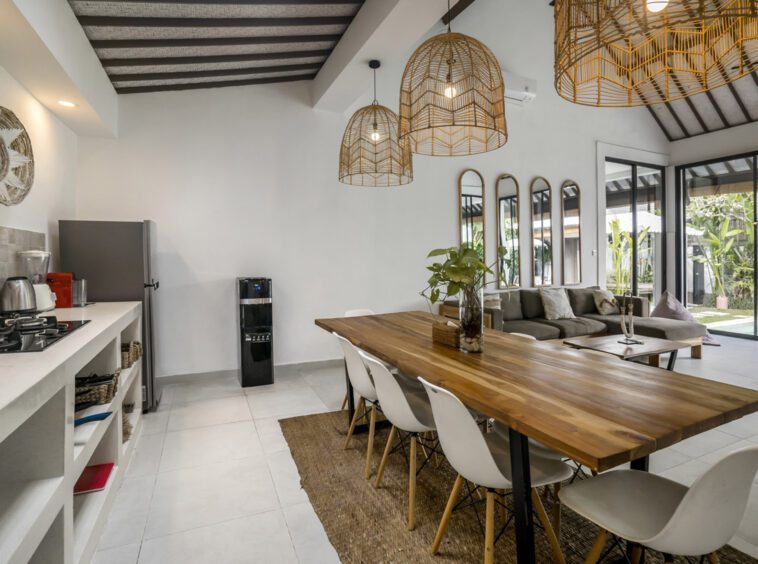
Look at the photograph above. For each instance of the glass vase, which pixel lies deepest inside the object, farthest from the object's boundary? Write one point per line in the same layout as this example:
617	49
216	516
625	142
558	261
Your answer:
471	317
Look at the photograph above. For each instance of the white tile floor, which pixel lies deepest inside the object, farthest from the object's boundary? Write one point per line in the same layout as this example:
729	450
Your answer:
213	481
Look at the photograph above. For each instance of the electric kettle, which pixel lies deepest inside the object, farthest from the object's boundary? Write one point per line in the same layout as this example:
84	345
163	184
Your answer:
17	296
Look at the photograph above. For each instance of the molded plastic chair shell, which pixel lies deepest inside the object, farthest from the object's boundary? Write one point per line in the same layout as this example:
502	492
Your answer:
406	408
482	459
665	515
356	370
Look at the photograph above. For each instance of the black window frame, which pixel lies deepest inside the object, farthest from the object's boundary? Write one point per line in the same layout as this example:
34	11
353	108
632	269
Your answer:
663	234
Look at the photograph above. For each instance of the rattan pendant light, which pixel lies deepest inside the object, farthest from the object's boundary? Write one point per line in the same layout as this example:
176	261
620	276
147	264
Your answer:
372	153
452	98
642	52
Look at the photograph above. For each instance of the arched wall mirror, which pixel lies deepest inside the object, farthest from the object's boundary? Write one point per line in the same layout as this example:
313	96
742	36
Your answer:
542	239
471	210
508	231
572	233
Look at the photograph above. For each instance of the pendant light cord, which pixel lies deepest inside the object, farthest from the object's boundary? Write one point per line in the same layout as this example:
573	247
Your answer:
375	100
449	18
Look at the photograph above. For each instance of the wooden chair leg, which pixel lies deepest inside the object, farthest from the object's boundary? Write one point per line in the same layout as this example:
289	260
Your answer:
557	509
447	514
597	548
354	422
503	508
696	352
636	554
344	402
385	456
489	529
370	447
713	558
654	360
412	485
555	544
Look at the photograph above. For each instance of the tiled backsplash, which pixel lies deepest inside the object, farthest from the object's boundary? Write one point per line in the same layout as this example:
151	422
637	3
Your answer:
11	242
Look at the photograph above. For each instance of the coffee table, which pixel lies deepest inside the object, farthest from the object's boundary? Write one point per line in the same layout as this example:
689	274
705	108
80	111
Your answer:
650	347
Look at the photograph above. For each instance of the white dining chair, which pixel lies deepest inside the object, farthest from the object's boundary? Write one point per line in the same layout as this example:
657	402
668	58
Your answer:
354	313
364	387
408	410
484	459
654	512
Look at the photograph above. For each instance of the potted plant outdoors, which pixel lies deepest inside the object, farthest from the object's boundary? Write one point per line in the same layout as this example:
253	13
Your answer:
717	247
462	273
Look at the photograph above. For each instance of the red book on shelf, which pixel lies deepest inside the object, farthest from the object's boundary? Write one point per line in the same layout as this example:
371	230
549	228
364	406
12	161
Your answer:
93	478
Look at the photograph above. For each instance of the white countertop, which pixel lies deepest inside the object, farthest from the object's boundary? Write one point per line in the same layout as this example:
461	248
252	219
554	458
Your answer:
29	379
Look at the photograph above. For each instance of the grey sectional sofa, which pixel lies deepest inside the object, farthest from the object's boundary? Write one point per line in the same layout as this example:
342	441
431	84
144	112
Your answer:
521	311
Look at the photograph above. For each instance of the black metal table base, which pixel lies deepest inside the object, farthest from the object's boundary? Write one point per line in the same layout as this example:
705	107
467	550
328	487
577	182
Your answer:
522	497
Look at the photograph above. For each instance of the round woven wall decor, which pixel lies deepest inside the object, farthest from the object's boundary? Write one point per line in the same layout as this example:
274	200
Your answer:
16	159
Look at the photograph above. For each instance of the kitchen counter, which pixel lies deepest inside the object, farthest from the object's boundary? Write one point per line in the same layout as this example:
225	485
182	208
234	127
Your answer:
28	380
42	454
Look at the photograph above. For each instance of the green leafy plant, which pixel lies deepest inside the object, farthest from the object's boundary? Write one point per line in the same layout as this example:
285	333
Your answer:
620	244
462	268
717	245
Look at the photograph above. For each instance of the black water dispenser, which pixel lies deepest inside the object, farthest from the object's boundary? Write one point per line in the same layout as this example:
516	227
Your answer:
255	325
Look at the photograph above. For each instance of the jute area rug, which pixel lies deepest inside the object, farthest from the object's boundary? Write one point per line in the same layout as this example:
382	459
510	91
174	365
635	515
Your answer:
367	525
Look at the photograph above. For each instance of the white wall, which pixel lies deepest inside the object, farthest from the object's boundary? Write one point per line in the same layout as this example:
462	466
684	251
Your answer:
725	143
242	181
55	156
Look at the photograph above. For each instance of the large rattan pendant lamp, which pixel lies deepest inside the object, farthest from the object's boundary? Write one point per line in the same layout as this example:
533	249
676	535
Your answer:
642	52
452	98
372	153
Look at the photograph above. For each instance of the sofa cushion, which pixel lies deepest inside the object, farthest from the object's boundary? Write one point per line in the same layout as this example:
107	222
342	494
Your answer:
540	331
531	304
510	304
605	302
556	303
671	329
581	300
577	327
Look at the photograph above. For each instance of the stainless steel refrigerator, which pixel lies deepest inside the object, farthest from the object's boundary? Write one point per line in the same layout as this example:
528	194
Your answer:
115	257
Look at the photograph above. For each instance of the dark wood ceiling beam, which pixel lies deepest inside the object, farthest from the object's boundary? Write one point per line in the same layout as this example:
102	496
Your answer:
456	10
210	41
665	130
717	107
205	59
740	103
118	21
131	77
218	84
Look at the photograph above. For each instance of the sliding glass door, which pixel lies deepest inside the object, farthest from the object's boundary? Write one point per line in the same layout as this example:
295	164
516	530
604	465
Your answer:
635	228
716	233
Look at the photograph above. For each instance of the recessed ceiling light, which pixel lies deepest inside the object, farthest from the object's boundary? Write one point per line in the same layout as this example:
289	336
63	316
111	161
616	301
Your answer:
66	104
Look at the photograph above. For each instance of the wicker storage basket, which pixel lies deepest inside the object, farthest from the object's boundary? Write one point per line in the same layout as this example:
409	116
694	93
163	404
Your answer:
449	335
130	353
99	391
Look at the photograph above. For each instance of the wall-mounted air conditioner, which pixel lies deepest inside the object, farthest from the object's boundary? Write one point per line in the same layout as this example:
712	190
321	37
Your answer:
519	90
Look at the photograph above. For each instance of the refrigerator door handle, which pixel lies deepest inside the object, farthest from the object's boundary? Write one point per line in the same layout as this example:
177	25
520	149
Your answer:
155	285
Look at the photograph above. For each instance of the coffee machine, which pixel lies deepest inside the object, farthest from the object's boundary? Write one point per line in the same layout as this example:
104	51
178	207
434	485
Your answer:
34	265
255	342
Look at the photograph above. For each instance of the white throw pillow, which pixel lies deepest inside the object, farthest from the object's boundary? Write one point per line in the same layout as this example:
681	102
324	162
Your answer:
605	303
556	304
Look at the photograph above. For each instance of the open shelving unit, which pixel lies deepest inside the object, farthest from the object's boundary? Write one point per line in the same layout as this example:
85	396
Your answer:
41	520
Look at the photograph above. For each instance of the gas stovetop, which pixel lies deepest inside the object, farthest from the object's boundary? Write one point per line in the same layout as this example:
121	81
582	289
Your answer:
34	334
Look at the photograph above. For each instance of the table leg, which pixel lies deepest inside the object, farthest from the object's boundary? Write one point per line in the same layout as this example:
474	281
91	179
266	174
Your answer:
522	497
654	360
672	360
350	397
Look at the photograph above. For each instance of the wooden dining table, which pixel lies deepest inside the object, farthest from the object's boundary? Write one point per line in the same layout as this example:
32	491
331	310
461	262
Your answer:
597	411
